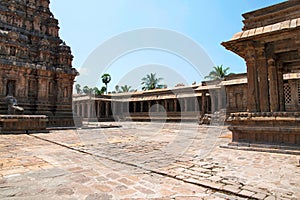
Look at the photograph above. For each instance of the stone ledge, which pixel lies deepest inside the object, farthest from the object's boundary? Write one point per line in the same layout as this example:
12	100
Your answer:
263	148
248	115
4	117
15	124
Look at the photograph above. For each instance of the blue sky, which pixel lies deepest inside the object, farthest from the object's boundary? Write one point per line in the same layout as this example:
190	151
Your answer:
85	25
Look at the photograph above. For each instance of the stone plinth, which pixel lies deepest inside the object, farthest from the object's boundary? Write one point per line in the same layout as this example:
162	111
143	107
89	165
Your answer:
22	123
278	128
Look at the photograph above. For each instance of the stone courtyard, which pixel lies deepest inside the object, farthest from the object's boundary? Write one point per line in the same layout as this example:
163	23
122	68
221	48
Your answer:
142	160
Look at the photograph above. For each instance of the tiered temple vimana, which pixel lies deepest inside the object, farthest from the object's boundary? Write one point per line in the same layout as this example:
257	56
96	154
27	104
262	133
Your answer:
35	64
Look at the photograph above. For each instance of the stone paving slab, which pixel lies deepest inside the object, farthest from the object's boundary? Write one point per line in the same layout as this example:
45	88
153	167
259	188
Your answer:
141	160
51	171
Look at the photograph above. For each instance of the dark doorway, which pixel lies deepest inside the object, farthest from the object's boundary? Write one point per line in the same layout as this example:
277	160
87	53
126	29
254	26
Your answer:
11	88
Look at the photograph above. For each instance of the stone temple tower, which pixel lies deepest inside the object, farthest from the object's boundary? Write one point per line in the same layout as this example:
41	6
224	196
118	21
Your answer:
35	64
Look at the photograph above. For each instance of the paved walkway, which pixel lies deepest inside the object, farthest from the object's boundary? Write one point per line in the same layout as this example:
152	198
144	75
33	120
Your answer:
142	161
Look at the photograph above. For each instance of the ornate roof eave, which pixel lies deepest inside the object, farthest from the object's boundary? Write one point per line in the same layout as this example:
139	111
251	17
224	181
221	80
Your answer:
241	39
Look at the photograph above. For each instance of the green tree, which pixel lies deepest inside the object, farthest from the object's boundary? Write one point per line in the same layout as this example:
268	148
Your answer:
86	89
96	91
217	73
125	88
106	78
150	82
78	88
117	89
103	89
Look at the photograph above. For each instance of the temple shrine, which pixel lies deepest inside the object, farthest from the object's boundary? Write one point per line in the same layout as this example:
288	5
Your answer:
35	64
270	45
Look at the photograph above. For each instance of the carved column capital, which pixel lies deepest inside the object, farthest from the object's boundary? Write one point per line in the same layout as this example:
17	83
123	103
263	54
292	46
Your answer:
249	53
271	62
260	52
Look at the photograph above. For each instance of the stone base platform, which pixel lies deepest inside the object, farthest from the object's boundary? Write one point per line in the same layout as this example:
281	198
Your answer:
279	128
163	117
14	124
278	149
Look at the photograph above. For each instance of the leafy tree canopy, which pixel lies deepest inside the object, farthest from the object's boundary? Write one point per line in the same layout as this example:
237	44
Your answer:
151	82
217	73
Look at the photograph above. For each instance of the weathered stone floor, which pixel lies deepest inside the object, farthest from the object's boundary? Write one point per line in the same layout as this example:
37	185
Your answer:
142	161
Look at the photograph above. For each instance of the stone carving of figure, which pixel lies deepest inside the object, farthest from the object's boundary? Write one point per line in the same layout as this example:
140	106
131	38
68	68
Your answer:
13	105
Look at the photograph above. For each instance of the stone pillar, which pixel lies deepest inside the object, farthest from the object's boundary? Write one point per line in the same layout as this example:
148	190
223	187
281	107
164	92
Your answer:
196	107
101	108
97	113
142	106
213	100
89	114
220	99
204	103
166	105
185	104
112	105
175	105
77	108
82	110
121	107
252	100
280	86
149	105
262	72
157	106
106	109
273	86
96	107
115	107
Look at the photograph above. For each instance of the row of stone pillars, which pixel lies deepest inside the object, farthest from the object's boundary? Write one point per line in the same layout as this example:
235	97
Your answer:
265	81
111	108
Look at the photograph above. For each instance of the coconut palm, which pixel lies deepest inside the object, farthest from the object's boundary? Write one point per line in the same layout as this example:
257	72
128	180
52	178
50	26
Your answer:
117	89
78	89
87	90
125	88
96	91
217	73
150	82
106	78
103	89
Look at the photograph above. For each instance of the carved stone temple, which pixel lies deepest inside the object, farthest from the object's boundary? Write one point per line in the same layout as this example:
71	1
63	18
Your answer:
270	45
35	64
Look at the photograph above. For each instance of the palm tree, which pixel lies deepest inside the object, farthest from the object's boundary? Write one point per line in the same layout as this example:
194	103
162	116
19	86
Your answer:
78	89
217	73
106	78
96	91
125	88
86	90
103	89
150	82
117	89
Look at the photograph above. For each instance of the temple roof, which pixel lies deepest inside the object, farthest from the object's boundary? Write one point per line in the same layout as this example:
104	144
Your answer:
272	14
285	25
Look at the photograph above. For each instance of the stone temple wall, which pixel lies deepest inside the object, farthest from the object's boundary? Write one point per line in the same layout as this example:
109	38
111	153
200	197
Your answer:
35	64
